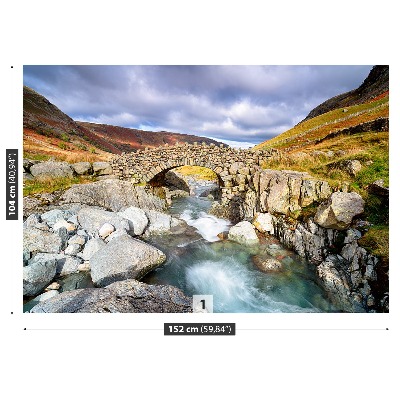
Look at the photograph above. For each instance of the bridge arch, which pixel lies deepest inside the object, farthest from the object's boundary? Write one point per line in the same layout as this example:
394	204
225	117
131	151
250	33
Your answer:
235	168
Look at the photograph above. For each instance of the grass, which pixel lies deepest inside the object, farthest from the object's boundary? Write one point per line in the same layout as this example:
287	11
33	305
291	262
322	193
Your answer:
50	185
320	126
198	172
370	148
376	241
36	156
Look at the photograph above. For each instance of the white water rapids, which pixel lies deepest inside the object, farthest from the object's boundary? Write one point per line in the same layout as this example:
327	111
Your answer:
204	264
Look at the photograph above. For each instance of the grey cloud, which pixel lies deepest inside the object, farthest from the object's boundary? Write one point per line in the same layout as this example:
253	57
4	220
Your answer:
239	103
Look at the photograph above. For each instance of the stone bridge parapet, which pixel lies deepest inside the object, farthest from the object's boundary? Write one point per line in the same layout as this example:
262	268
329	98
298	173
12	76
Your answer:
233	167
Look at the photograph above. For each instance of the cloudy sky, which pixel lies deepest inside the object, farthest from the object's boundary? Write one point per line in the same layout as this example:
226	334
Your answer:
246	104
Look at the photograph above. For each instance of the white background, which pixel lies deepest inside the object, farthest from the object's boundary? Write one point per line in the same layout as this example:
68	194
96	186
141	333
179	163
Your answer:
327	356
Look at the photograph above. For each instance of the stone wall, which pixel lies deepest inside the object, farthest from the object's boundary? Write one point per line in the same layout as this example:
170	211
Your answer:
234	168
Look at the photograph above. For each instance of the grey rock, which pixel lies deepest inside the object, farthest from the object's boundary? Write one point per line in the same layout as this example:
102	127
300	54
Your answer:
37	275
339	210
46	295
286	192
158	222
39	241
244	233
336	285
106	229
115	234
53	216
77	239
26	176
92	219
102	168
42	297
266	263
92	246
352	167
129	296
62	223
82	168
114	195
52	169
32	221
72	249
26	255
263	222
64	236
137	219
352	235
124	258
74	219
65	264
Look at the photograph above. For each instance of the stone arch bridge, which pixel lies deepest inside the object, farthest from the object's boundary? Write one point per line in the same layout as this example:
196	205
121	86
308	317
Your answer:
235	168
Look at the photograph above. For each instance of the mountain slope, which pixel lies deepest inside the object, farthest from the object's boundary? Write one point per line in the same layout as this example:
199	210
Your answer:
128	139
352	112
376	84
48	132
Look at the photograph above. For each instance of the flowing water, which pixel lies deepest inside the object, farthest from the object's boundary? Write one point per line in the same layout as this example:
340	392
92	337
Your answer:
198	262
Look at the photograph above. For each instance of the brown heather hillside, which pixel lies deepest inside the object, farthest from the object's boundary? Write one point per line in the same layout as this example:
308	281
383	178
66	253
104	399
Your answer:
128	139
48	132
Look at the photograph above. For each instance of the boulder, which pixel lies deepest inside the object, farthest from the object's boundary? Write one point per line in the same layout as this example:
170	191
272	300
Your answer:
263	222
158	222
115	234
129	296
82	168
65	264
124	258
114	195
72	249
37	275
286	192
137	219
92	219
53	216
336	285
339	210
62	223
52	169
352	167
40	241
32	221
92	246
266	263
102	168
243	233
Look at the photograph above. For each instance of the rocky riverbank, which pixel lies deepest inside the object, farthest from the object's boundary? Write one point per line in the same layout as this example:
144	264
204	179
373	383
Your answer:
96	228
323	226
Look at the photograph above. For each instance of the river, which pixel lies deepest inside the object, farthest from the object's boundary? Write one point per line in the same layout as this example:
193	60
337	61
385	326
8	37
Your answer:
198	262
